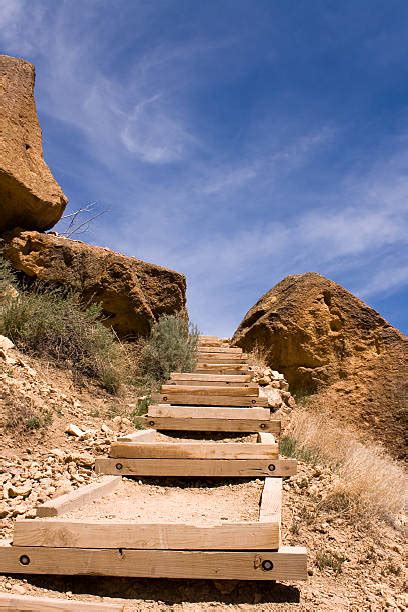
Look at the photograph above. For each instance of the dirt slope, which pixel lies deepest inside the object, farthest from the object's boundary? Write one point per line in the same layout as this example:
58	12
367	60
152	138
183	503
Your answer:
332	346
351	567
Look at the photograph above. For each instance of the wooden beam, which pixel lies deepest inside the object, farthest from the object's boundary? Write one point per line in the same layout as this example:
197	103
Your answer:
255	468
80	533
232	378
288	563
210	383
26	603
270	509
228	350
208	400
143	435
79	497
221	368
211	424
221	358
193	450
209	390
208	412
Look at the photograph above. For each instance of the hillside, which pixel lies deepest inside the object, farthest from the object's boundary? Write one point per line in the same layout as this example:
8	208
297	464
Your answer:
351	562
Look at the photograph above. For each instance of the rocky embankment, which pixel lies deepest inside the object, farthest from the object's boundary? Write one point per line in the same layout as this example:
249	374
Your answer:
49	436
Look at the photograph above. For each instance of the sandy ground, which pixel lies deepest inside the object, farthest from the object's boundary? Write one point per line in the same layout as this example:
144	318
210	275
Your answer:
176	502
190	436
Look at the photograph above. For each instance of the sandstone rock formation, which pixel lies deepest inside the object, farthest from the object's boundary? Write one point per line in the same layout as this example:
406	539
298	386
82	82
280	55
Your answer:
30	197
329	344
133	293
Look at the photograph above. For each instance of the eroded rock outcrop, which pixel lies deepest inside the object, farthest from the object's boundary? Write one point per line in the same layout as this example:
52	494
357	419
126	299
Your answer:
30	197
334	348
133	293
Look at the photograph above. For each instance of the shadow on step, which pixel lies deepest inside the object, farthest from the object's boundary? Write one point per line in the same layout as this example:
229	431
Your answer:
171	592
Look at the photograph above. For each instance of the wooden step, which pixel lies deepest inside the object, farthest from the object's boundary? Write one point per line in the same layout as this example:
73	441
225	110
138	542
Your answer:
221	368
220	349
196	423
60	533
204	412
175	390
217	468
28	603
209	400
210	383
220	358
230	378
288	563
193	450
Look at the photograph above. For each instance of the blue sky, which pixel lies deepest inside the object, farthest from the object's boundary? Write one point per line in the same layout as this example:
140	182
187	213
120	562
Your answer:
237	141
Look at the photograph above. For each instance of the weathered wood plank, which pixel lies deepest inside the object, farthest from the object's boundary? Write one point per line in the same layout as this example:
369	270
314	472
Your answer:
211	383
208	400
270	508
143	435
255	468
26	603
231	378
208	412
211	424
193	450
222	368
221	358
79	497
209	390
288	563
220	349
62	533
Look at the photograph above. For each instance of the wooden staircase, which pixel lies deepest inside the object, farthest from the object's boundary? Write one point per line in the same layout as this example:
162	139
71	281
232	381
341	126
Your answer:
219	392
217	397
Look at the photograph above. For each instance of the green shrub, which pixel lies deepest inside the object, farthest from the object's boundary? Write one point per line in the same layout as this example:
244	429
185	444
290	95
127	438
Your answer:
23	418
55	324
171	347
331	560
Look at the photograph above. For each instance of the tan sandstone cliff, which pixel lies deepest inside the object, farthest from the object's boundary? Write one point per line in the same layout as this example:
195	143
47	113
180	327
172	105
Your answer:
332	346
30	197
133	293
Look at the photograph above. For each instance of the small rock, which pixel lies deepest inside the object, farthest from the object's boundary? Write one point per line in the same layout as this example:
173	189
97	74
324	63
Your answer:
74	430
277	375
106	429
6	343
23	491
4	510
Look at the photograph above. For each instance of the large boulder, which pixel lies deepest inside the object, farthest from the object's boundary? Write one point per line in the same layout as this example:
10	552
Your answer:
133	293
334	349
30	197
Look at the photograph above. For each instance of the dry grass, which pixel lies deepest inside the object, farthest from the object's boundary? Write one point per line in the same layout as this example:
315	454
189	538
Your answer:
258	356
368	483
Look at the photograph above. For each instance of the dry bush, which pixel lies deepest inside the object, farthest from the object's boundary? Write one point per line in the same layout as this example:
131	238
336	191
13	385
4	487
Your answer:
258	356
55	324
368	483
23	418
171	347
